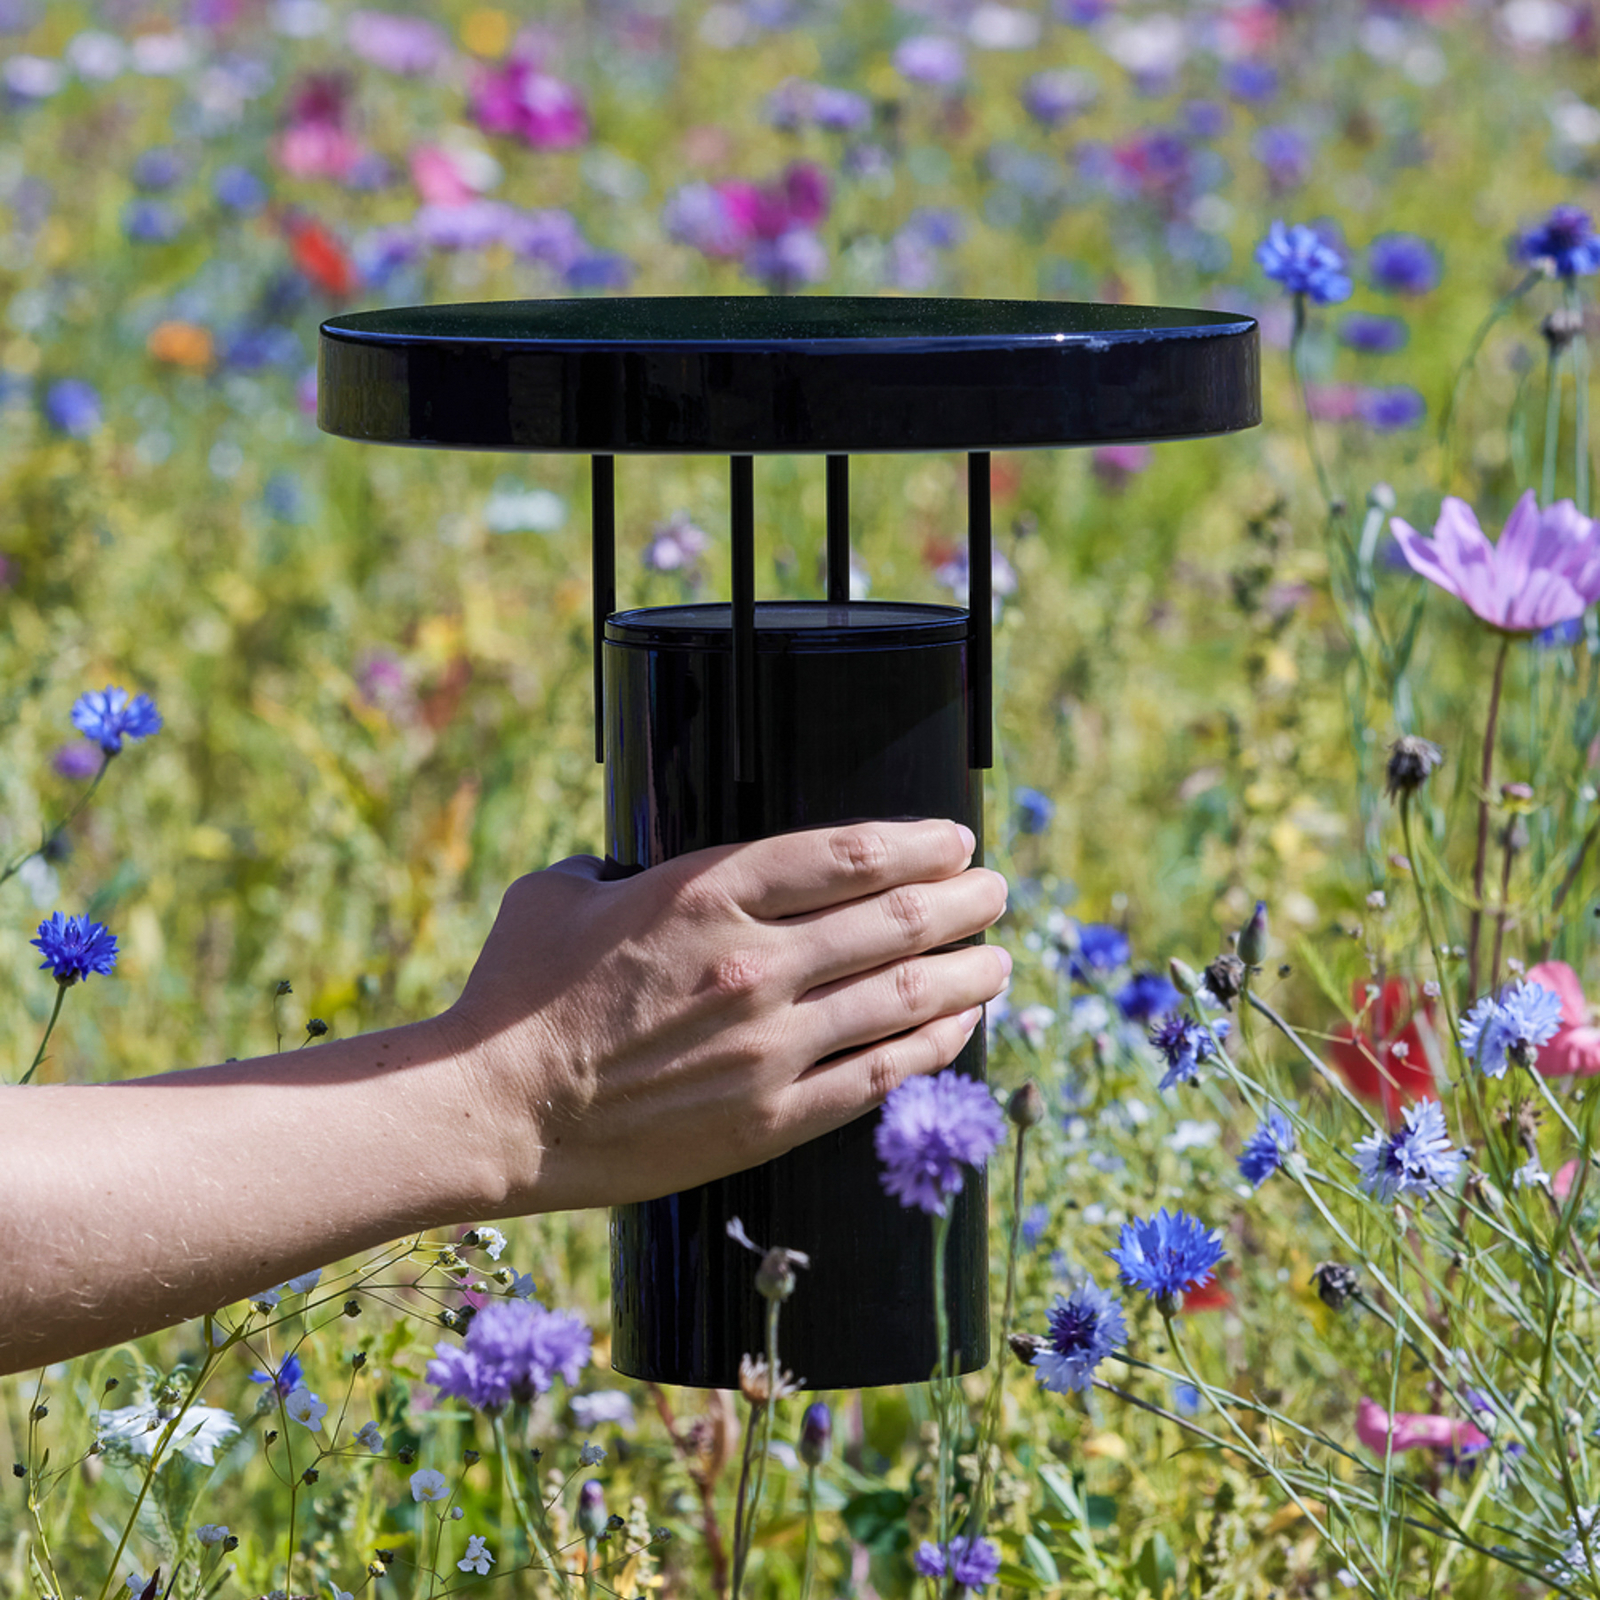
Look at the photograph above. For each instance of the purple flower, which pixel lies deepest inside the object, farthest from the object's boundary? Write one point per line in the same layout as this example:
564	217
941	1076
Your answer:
1298	259
929	1131
1391	409
1250	80
1286	154
676	545
285	1380
1100	948
239	189
151	221
1146	996
1034	810
108	716
1085	1327
591	1517
72	407
74	948
1206	119
77	761
1545	568
1184	1045
514	1350
599	271
796	257
1564	243
409	46
1373	335
1052	97
1265	1148
1402	263
971	1563
816	1434
1416	1160
1510	1026
930	58
840	110
1168	1255
157	169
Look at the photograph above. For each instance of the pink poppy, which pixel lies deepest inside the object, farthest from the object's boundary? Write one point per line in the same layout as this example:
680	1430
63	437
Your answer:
439	178
1544	570
1574	1052
317	150
1413	1430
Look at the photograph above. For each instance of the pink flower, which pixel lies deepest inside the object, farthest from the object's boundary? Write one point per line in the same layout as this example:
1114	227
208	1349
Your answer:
1413	1430
439	177
317	150
1544	570
521	100
1574	1052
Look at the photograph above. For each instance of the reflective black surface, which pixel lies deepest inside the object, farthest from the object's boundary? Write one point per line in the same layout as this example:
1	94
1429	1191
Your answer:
754	373
862	712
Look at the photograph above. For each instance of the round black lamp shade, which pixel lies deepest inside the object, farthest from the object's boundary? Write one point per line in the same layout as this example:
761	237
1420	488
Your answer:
748	374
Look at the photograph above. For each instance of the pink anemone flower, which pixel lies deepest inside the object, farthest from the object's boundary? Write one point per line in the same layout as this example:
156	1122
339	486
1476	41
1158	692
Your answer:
1544	570
1411	1430
1574	1052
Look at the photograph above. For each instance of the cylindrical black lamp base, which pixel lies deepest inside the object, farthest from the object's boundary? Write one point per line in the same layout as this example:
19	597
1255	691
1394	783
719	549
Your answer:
861	711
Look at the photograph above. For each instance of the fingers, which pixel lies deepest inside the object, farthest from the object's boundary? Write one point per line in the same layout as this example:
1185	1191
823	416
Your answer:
908	920
836	1092
876	1005
796	873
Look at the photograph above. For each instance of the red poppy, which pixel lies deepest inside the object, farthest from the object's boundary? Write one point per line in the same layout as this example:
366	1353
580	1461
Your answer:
1390	1058
1211	1296
320	256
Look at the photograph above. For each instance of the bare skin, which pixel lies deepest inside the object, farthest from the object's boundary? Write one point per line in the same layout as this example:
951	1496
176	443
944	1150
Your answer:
619	1038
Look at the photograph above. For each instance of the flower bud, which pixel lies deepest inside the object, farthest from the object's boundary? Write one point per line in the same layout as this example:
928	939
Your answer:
592	1508
816	1434
1184	978
775	1276
1380	497
1026	1105
1253	937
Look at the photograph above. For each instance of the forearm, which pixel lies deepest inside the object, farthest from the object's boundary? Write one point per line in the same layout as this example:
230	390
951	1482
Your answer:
128	1207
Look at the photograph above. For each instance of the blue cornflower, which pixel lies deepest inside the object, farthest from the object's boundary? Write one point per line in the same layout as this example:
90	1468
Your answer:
1265	1149
1184	1045
1146	996
1034	810
1085	1327
285	1380
1562	633
1402	263
1389	410
1100	948
151	222
1510	1026
1167	1255
1250	80
239	189
75	948
1564	242
1286	153
72	406
514	1350
1034	1221
971	1563
1416	1160
108	717
929	1131
1373	335
157	169
1303	263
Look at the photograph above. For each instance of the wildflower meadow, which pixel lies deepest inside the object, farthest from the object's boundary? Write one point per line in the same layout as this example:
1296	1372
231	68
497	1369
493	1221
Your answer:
1295	1219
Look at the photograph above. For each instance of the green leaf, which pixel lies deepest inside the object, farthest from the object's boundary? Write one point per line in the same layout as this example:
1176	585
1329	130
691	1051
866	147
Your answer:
1157	1566
1040	1559
1014	1577
878	1520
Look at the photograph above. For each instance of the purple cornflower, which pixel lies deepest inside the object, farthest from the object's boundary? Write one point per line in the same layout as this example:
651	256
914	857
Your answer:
1509	1027
72	406
1034	810
1416	1160
1389	410
930	1130
285	1380
1052	97
930	58
1402	263
816	1434
409	46
1373	335
75	948
157	169
514	1350
1286	154
151	221
77	761
796	257
1168	1255
1085	1327
1303	263
1265	1149
1564	243
1146	996
1250	80
1184	1045
1100	948
971	1563
239	189
108	717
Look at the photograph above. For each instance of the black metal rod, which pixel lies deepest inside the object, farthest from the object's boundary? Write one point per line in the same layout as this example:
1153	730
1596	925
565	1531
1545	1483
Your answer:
741	483
980	610
603	517
838	530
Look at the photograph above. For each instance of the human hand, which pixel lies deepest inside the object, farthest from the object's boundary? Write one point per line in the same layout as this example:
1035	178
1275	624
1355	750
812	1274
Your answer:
630	1037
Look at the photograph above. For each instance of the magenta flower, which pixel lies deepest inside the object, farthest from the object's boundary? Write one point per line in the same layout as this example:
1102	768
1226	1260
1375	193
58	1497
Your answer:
1544	570
1413	1430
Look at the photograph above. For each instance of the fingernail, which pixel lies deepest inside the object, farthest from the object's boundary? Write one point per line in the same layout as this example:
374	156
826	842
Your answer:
1005	958
968	838
970	1019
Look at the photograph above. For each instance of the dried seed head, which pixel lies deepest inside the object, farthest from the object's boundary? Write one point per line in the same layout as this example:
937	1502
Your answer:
1025	1346
1411	759
1225	979
754	1384
775	1276
1336	1284
1561	327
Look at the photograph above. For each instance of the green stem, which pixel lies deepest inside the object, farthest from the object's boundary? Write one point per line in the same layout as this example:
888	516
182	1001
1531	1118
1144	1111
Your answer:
1501	306
1296	341
1486	776
1445	998
941	1392
38	1055
1580	379
811	1534
774	1305
536	1543
1552	425
47	834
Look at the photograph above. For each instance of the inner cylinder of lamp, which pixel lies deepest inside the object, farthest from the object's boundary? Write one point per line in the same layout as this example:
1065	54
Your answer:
861	712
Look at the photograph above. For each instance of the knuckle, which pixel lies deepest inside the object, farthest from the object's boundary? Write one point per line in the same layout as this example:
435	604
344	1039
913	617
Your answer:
911	912
860	852
739	975
883	1075
911	985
